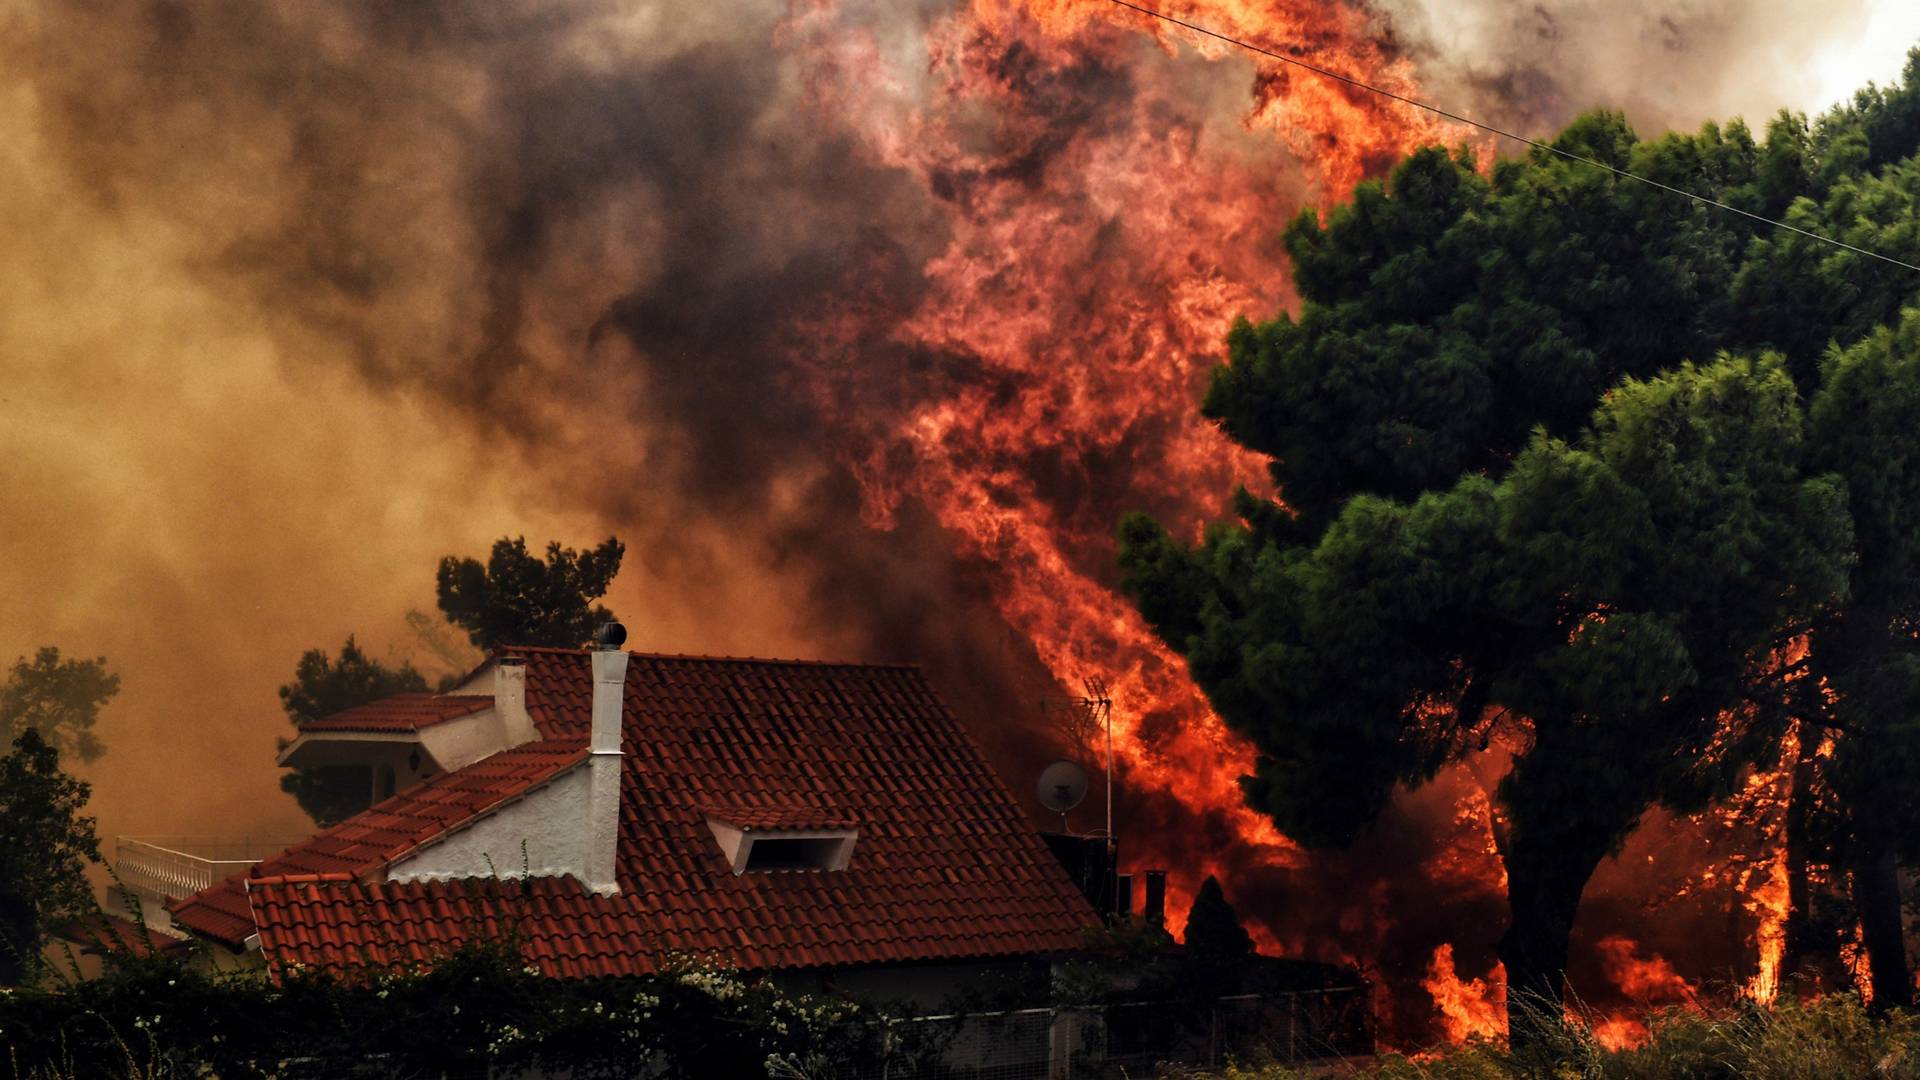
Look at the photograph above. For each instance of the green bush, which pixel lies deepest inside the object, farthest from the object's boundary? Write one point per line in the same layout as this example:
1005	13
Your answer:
473	1009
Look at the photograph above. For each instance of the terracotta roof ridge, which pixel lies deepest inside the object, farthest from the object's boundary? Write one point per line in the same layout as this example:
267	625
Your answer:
332	877
505	650
419	708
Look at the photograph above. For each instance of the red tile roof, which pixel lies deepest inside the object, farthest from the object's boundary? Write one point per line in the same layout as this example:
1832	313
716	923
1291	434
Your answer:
103	933
365	843
945	865
333	921
403	712
794	818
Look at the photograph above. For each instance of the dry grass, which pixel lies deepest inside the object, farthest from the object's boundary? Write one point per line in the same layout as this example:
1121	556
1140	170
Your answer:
1830	1039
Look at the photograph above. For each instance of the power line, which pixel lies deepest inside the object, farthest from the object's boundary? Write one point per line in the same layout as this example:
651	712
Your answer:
1503	133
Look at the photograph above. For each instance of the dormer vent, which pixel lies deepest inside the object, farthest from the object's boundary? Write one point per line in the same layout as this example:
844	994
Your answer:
758	842
775	852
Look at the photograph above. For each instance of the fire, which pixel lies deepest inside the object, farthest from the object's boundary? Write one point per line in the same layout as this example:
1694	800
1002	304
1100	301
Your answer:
1619	1032
1769	899
1853	957
1089	271
1099	228
1642	979
1469	1008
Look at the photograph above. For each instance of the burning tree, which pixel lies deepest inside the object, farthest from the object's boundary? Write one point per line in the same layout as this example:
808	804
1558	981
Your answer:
1512	509
1867	653
1606	600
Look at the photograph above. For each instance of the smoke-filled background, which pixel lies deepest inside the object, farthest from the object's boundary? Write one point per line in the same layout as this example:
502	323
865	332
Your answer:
860	322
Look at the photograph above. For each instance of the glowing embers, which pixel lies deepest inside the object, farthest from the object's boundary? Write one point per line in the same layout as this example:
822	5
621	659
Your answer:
760	841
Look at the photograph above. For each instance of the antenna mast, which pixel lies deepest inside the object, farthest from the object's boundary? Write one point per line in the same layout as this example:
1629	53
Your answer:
1097	706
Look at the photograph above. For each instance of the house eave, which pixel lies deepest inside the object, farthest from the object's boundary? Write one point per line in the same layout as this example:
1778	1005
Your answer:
314	748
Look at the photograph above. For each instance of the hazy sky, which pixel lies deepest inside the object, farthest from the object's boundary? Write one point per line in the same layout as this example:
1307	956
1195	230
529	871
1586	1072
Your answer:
1874	48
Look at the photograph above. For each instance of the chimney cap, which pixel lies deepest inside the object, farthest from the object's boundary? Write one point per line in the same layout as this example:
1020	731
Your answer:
610	635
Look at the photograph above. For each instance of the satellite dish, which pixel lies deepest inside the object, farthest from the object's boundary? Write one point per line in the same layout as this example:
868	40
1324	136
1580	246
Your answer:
1062	785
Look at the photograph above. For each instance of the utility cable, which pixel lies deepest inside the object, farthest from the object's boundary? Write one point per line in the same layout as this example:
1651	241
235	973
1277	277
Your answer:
1503	133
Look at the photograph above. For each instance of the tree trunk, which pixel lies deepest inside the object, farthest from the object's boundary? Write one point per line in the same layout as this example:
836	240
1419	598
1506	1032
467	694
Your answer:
1546	876
1876	895
1796	955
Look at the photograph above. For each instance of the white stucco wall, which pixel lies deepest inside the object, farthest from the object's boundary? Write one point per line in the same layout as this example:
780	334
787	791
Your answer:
456	744
552	820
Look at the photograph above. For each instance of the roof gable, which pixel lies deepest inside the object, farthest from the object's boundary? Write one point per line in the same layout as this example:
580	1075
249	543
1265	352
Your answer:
365	843
402	713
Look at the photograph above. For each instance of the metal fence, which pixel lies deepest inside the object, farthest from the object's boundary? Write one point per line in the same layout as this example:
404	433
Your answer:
1101	1042
1127	1040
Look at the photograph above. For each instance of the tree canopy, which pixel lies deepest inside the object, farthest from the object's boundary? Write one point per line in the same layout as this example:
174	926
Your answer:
60	699
44	858
1547	471
1213	927
518	599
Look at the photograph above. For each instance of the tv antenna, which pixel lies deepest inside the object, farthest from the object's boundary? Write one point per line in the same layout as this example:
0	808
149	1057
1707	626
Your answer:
1091	715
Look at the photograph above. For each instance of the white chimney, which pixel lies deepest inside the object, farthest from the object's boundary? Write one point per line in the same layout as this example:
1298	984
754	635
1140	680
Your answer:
510	701
603	758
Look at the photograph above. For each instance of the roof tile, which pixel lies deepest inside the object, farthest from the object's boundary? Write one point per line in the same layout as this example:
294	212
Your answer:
402	713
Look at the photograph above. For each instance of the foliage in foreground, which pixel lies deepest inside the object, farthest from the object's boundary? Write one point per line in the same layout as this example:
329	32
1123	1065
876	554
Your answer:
475	1009
46	848
1828	1039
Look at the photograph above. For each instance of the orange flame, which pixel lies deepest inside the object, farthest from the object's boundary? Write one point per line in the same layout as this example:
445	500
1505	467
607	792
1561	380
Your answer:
1088	300
1643	979
1469	1008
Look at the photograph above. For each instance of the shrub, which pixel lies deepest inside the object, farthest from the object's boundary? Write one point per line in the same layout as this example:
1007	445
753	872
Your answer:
476	1008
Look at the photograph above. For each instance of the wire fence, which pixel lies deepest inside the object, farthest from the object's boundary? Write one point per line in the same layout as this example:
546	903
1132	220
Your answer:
1097	1042
1125	1040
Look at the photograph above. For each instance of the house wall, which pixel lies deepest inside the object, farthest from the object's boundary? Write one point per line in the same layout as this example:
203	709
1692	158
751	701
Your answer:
455	744
144	908
927	988
551	819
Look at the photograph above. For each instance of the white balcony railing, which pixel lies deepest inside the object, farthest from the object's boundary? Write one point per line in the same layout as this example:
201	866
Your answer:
178	866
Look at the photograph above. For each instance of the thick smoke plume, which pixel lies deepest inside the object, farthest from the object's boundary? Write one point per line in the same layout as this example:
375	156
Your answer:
860	323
